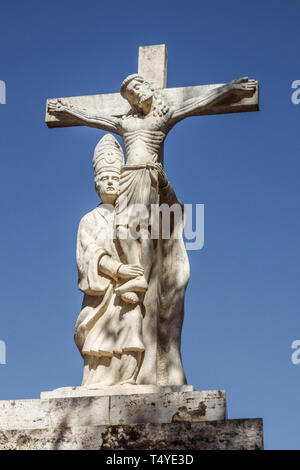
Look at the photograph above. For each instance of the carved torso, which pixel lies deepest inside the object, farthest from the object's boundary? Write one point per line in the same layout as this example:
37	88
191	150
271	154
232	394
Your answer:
143	136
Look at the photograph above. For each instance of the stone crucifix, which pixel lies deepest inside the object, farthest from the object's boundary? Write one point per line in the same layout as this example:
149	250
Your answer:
143	114
115	112
239	96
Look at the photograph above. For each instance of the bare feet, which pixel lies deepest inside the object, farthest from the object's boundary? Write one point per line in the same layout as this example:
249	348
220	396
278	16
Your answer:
138	284
130	297
128	382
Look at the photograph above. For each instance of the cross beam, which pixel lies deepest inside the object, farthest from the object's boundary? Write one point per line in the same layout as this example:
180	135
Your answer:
152	65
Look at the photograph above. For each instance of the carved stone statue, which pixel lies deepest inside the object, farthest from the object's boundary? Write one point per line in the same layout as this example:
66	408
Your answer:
144	278
144	129
109	330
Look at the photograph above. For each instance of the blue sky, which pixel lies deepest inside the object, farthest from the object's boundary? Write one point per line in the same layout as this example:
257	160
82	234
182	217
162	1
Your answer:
243	300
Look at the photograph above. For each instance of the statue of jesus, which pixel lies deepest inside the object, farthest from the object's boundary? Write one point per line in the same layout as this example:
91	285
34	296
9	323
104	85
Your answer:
144	129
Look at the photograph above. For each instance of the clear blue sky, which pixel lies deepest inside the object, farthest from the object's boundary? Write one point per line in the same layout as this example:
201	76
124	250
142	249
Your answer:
243	300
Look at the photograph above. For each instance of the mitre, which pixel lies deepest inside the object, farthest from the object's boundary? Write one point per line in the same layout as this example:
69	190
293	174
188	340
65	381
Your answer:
108	155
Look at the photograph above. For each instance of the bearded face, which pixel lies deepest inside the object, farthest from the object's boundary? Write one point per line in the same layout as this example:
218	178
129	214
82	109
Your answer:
139	94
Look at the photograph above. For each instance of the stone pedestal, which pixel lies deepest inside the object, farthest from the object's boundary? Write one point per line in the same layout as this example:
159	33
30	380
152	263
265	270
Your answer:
175	418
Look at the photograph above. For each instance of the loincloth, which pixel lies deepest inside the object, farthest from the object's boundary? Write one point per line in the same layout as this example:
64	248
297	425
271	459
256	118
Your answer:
137	192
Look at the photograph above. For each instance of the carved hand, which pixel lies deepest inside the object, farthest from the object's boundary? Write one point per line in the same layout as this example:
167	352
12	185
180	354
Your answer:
128	271
162	177
243	87
56	106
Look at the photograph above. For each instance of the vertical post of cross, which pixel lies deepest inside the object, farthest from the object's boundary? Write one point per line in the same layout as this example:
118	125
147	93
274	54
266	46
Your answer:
152	65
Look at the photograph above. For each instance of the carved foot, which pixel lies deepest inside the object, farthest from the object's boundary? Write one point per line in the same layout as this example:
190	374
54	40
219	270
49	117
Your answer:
138	284
128	382
130	297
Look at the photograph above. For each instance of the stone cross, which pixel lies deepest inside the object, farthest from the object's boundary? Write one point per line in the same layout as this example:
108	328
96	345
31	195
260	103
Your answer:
143	133
152	65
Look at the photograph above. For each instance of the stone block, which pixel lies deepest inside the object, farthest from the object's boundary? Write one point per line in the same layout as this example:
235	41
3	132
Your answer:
168	407
69	412
238	434
23	414
40	414
114	409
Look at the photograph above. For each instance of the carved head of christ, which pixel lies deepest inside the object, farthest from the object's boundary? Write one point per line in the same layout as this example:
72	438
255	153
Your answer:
138	92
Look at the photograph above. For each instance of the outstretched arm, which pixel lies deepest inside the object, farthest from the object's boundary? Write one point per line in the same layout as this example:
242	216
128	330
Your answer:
237	90
106	123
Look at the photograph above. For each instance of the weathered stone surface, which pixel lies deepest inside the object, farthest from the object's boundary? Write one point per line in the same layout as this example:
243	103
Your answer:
114	410
152	64
33	414
176	421
241	434
170	407
114	390
129	328
23	414
113	103
68	412
121	281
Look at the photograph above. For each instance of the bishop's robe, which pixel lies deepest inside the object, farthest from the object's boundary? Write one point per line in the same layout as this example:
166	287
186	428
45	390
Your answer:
108	332
121	343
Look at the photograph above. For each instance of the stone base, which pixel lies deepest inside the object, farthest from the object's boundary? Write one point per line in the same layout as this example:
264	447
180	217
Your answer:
94	391
113	410
236	434
169	419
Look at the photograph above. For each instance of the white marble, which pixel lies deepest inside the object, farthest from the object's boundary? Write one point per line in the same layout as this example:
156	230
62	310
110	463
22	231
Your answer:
40	414
129	328
152	63
168	407
65	409
235	434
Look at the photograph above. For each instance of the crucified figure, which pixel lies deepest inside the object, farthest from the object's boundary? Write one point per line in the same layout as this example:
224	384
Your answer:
144	129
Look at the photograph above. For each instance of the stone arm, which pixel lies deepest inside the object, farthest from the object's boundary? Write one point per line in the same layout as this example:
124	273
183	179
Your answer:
96	267
233	91
116	270
109	266
106	123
